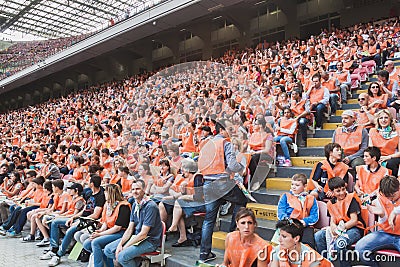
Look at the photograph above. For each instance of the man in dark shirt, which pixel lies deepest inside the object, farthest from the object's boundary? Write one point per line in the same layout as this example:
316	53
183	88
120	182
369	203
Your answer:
144	231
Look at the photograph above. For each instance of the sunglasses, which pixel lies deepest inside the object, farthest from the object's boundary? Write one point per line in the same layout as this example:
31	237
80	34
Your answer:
375	86
361	99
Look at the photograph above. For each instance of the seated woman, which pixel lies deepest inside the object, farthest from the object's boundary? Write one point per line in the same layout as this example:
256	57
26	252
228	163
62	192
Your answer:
145	175
162	183
385	136
261	148
291	252
114	221
285	133
242	247
12	185
377	98
187	202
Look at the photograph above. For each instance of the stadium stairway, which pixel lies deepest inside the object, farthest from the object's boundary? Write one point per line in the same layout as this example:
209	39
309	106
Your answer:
276	184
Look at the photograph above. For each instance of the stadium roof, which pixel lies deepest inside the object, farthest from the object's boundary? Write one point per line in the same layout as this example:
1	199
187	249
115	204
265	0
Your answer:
63	18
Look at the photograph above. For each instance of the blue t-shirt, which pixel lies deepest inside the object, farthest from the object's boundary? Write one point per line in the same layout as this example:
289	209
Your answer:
149	215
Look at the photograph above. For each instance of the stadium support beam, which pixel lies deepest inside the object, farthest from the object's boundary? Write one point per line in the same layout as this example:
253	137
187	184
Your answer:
14	19
289	8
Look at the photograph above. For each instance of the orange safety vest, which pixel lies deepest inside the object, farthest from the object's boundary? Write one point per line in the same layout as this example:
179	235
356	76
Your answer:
298	108
212	157
330	84
342	77
339	170
71	207
110	220
257	141
307	259
338	211
188	142
350	142
387	146
240	256
299	211
363	117
316	95
383	97
286	124
59	200
367	181
388	207
177	183
126	185
44	203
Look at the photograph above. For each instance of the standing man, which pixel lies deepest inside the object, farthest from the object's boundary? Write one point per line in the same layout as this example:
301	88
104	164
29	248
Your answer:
217	161
352	138
144	231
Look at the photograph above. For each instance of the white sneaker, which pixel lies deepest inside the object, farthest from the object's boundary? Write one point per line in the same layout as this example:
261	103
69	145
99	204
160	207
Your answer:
318	128
55	260
225	208
48	256
43	243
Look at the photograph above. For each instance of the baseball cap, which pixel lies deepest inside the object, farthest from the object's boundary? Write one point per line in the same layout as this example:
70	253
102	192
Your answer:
348	113
77	187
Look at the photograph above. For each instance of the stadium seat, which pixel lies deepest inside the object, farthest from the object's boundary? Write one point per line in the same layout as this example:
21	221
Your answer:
158	256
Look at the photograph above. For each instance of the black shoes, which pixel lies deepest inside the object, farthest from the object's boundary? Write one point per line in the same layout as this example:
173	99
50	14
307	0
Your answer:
186	243
207	257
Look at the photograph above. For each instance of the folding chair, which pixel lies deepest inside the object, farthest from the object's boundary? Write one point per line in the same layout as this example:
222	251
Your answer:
158	256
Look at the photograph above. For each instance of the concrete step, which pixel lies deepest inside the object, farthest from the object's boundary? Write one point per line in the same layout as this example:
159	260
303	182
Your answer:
290	171
350	106
186	256
352	101
340	111
331	125
315	142
264	229
306	161
218	240
268	196
264	211
279	183
335	119
362	91
323	133
310	151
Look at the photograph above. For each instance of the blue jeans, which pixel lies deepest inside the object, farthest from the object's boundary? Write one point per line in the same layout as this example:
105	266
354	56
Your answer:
66	240
303	123
284	140
96	246
128	257
55	231
333	101
341	243
14	213
19	224
374	242
319	113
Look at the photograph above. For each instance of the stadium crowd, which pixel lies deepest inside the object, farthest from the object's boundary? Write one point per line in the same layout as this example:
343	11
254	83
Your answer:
137	147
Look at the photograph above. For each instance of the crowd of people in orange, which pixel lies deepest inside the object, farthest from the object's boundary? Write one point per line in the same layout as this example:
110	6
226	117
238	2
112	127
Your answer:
148	134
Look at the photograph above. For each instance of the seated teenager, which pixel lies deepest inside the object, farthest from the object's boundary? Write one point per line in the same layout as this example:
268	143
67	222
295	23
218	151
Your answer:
114	221
18	216
370	174
386	206
242	246
39	220
63	221
347	223
298	204
291	251
285	132
327	169
144	231
163	182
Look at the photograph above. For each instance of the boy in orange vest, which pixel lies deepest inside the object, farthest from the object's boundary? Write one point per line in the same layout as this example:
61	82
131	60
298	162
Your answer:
298	204
387	207
327	169
347	225
370	174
